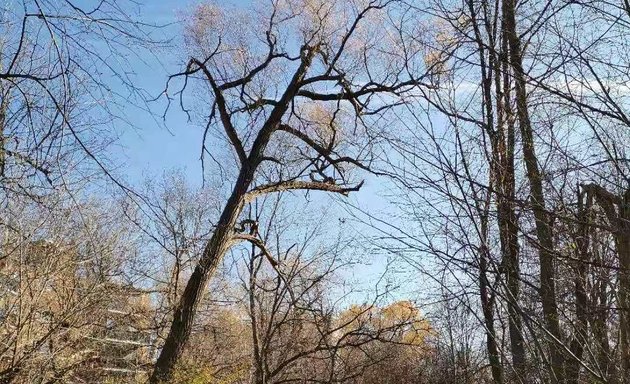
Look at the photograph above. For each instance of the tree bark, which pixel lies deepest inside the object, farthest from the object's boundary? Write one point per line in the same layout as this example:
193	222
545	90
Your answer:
184	315
223	235
583	259
499	125
507	219
541	216
623	248
487	305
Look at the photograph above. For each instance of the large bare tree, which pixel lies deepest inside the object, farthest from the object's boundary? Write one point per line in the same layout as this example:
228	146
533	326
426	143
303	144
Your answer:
297	90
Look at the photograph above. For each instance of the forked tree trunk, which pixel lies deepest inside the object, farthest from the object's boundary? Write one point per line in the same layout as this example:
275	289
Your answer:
487	295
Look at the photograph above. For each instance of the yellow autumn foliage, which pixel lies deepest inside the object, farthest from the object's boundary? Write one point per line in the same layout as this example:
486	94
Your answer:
400	321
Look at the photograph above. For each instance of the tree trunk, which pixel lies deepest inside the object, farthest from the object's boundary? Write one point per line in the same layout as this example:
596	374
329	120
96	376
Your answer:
507	219
499	125
543	227
184	315
485	290
623	249
583	258
4	107
487	305
222	238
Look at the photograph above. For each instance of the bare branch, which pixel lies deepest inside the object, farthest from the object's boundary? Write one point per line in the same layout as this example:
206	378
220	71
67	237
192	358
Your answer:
301	185
223	112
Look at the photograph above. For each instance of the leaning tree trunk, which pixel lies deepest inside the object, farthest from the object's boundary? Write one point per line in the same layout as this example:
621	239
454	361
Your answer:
541	216
185	312
223	236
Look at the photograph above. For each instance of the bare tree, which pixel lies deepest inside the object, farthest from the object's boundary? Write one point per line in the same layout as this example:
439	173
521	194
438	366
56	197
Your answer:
501	84
60	278
64	67
320	102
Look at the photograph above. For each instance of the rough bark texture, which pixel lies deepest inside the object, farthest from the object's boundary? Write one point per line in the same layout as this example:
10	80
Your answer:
184	315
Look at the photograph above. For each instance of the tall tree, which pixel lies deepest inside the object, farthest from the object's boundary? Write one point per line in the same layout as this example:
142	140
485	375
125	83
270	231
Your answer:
544	233
341	77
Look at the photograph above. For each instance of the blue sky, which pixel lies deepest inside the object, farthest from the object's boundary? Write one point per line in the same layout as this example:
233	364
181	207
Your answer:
151	148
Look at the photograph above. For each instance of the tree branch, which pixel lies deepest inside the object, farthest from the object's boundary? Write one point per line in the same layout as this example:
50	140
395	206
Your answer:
301	185
223	112
368	89
260	245
321	150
